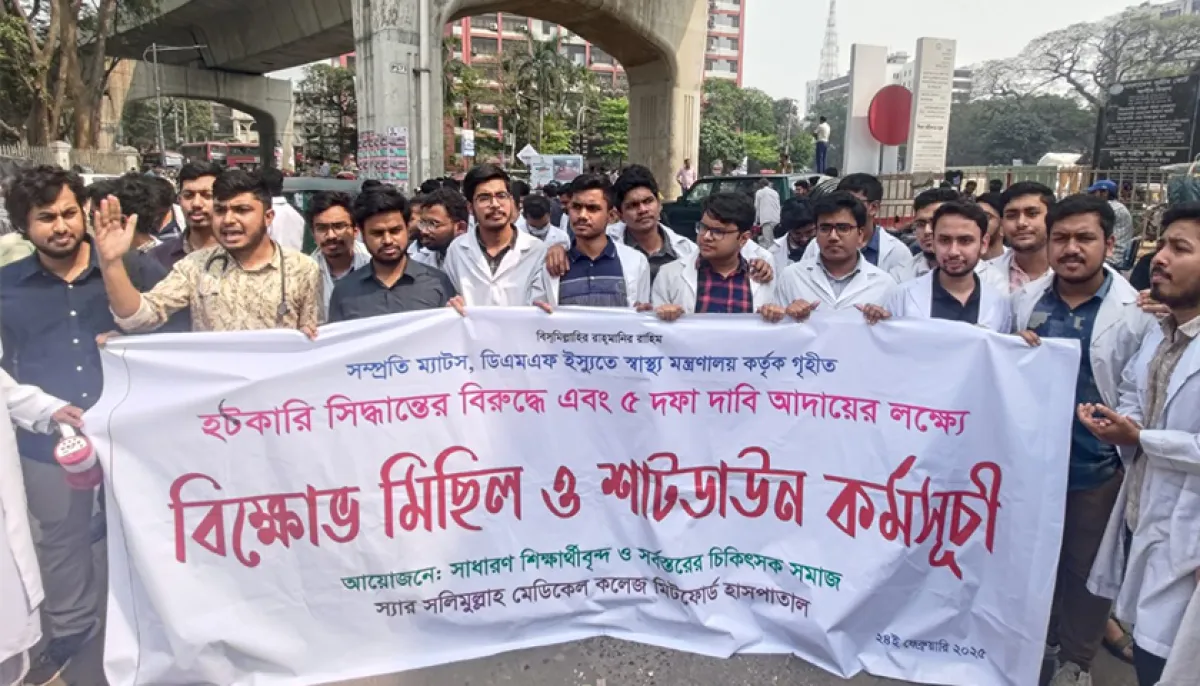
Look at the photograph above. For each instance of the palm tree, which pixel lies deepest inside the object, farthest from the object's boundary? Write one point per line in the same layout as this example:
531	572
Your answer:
542	76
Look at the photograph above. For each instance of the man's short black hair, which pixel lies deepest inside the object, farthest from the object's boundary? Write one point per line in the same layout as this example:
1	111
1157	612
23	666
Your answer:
993	200
1081	204
234	182
480	175
380	201
802	183
323	201
1184	211
536	207
731	208
101	189
520	189
634	176
831	171
370	183
1021	189
273	178
821	119
144	197
450	200
964	209
995	186
593	182
38	187
429	186
795	213
197	170
837	201
866	184
933	196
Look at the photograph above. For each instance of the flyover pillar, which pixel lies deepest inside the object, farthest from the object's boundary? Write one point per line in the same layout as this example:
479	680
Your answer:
388	82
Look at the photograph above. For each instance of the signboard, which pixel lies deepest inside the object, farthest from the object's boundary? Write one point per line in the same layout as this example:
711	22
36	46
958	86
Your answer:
420	489
528	154
468	143
384	155
558	168
933	91
1150	123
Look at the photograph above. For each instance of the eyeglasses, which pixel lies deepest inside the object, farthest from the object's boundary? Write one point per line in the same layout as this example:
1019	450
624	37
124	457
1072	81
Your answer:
842	229
427	225
488	198
702	229
339	227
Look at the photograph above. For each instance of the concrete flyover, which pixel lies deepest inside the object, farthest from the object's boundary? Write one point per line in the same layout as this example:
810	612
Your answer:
660	43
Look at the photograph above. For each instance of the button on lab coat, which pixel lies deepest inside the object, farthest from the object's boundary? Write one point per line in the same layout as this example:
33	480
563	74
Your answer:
914	300
20	581
1158	582
467	267
807	281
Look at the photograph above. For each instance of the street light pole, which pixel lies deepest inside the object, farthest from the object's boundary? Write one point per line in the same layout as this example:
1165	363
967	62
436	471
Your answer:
162	145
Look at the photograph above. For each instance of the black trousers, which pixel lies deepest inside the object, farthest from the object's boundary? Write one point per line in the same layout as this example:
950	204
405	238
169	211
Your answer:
1149	667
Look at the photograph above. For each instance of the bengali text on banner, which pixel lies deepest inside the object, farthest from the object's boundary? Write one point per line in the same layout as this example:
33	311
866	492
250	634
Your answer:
422	489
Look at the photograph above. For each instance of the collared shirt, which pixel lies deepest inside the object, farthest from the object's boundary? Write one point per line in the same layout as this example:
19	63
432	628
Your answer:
494	261
597	283
1122	232
945	306
284	293
871	249
839	283
288	227
1092	461
48	333
664	255
1017	278
173	249
723	294
795	254
362	294
360	257
1175	342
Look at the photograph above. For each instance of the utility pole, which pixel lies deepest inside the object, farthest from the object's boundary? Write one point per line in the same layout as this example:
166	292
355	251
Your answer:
154	49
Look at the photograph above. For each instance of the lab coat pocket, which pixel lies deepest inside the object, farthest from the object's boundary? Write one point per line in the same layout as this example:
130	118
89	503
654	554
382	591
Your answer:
1184	538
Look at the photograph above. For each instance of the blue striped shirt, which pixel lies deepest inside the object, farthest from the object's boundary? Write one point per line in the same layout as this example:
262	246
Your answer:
597	283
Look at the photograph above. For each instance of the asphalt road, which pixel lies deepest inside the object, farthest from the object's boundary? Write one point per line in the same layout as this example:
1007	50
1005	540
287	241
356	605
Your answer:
605	662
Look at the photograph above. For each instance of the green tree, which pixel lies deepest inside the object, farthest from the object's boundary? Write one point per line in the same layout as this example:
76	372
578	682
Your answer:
537	83
612	129
327	112
139	123
999	130
60	65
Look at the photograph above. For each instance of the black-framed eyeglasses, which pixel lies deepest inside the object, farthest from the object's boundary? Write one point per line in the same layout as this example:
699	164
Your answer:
842	229
702	229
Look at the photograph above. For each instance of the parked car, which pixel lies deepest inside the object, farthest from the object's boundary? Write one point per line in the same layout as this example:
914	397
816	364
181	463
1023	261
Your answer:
683	214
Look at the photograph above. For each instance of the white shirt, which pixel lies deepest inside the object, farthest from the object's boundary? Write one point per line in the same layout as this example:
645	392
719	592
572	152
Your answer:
823	132
360	258
766	206
20	580
809	281
288	226
468	269
914	300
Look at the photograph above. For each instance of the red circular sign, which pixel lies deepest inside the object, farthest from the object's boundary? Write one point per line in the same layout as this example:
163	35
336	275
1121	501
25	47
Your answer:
890	115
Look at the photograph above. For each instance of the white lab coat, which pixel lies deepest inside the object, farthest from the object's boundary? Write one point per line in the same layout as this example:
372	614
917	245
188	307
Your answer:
677	284
468	270
914	300
920	267
686	248
893	253
20	581
287	228
779	254
807	281
634	267
553	233
1116	336
1154	587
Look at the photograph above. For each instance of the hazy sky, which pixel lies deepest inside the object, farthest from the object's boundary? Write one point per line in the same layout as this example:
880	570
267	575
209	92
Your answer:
784	37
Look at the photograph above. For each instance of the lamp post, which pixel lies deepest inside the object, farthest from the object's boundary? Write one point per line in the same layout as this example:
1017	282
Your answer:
154	49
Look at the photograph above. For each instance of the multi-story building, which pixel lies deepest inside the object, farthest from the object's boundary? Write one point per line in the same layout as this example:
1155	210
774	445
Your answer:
1174	8
726	35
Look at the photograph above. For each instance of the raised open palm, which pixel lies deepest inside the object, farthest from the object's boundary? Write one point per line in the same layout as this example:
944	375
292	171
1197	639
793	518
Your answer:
113	231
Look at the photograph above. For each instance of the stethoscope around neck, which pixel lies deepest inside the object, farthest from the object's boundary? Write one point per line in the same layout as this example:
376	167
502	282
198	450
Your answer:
224	258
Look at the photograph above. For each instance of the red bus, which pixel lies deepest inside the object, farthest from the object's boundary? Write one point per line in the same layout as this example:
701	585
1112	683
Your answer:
243	155
205	152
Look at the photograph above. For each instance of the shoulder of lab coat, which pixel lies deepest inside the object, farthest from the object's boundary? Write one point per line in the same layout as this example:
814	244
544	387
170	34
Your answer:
1175	441
779	255
916	268
287	228
464	260
807	281
1116	336
914	300
893	253
29	406
676	284
635	269
753	251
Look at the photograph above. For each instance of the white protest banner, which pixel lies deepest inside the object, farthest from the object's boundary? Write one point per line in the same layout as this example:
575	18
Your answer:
420	489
